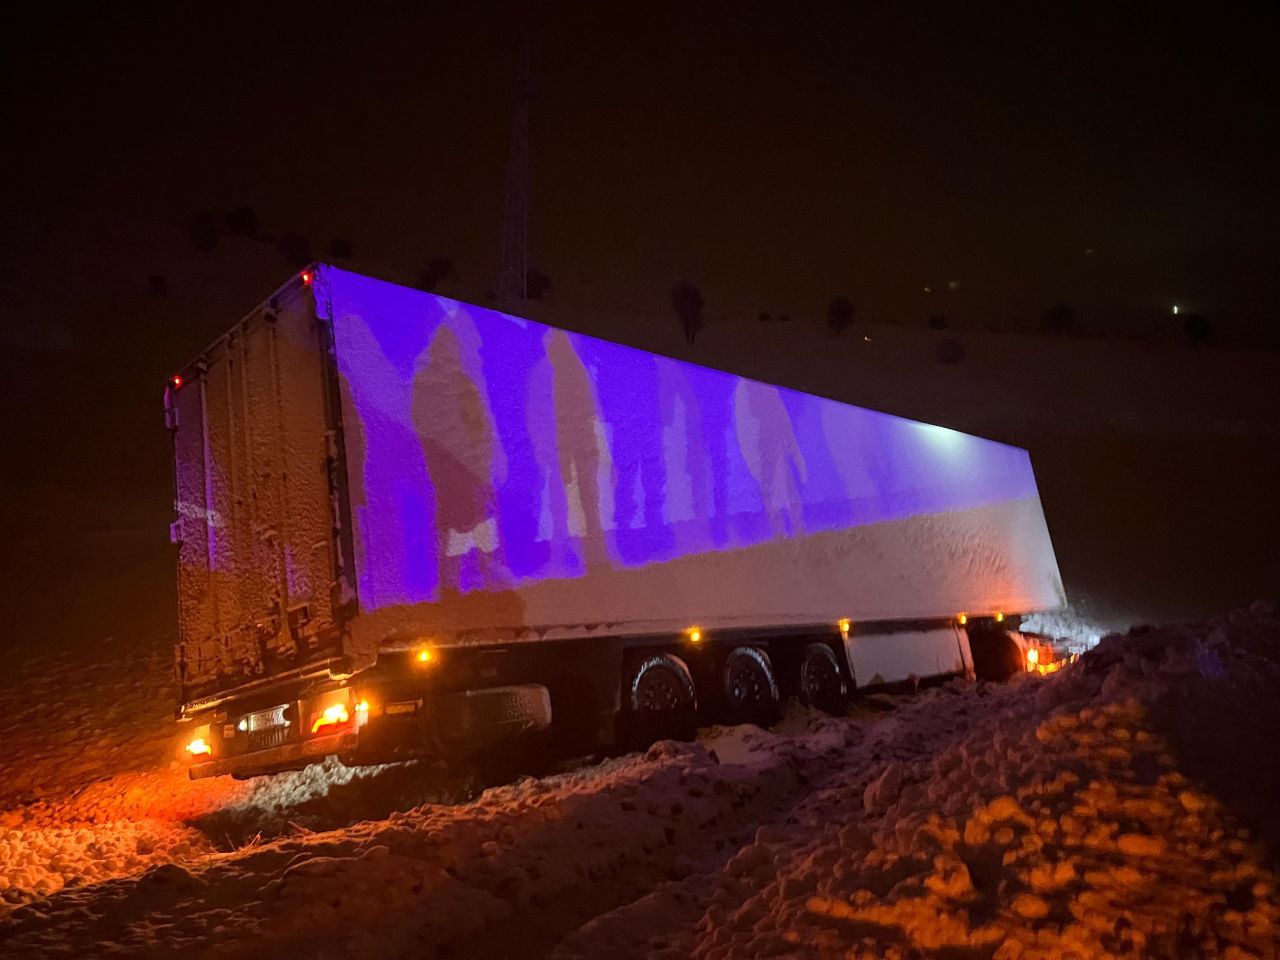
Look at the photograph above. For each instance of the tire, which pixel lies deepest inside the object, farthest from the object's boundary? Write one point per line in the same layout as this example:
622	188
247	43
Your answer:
748	687
661	702
821	682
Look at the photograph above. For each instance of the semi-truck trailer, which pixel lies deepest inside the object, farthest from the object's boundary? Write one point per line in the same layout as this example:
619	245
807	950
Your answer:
408	526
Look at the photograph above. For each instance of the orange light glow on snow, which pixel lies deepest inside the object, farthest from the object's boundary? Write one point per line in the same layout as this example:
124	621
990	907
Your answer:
332	716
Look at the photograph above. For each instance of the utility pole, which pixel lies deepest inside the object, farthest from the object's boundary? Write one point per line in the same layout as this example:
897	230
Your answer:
513	265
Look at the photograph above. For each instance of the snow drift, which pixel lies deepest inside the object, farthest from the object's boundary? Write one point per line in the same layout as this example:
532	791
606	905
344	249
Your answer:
1074	815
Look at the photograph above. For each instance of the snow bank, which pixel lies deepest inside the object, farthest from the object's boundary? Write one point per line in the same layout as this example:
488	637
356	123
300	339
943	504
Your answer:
1058	826
1084	814
441	874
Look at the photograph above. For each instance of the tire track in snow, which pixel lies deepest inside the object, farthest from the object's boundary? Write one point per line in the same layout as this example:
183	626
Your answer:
525	864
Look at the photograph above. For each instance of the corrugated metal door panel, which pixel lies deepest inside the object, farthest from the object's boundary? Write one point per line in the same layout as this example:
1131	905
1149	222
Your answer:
258	499
306	523
256	555
192	526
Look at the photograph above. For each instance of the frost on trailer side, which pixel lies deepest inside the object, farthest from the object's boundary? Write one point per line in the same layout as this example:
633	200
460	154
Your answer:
511	480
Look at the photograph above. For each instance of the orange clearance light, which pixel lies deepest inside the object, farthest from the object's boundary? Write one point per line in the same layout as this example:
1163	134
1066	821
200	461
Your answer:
307	276
695	634
999	617
425	656
333	716
1033	657
844	626
962	619
199	747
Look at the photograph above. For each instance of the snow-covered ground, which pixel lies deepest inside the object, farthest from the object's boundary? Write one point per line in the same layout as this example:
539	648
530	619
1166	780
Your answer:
1117	808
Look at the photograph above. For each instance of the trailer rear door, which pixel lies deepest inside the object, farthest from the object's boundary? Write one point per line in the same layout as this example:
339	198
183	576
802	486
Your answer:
254	522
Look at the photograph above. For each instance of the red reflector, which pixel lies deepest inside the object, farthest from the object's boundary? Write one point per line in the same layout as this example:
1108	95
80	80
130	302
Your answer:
306	276
177	382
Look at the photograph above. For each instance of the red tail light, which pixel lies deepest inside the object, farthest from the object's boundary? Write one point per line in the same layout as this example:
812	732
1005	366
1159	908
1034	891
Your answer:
332	717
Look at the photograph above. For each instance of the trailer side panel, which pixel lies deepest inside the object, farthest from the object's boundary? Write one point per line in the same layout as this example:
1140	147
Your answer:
510	480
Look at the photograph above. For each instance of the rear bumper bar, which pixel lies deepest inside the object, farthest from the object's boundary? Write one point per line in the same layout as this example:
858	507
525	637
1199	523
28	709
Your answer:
277	758
401	726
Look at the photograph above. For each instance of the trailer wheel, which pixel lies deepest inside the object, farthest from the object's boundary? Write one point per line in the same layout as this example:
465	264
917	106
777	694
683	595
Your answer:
749	687
661	684
661	702
821	682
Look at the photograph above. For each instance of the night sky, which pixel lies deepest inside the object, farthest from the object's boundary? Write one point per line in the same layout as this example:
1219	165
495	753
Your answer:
1120	161
775	155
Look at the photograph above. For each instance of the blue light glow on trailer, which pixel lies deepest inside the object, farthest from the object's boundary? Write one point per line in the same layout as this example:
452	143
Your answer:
488	452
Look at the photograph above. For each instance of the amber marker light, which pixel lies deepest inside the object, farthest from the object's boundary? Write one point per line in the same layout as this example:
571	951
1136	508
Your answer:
199	747
844	626
694	634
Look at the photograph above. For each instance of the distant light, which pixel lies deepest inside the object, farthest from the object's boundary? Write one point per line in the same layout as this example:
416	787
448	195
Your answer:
177	381
928	290
953	284
695	634
868	339
306	276
1175	309
199	747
